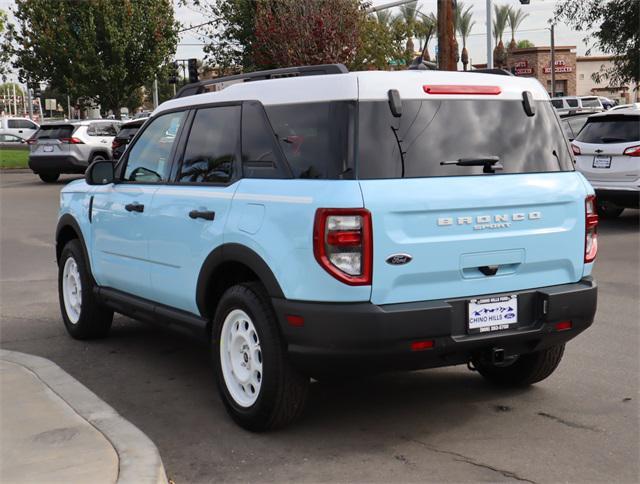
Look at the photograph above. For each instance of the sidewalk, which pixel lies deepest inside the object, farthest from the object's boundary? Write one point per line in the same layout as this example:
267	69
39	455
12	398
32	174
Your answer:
53	429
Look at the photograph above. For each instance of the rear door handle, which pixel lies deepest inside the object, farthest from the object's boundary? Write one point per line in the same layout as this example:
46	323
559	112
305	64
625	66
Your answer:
205	214
134	207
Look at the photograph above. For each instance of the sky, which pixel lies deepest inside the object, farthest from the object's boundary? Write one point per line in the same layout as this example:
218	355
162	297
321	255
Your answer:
533	28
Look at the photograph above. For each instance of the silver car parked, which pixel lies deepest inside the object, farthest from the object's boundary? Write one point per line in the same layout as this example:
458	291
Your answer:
69	147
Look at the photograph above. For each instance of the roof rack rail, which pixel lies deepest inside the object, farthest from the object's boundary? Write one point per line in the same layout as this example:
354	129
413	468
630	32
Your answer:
499	72
219	83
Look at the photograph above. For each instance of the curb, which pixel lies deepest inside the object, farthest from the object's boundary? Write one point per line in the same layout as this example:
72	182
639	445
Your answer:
138	458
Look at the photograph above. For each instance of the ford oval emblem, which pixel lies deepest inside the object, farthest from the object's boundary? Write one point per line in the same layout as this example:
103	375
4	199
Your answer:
399	259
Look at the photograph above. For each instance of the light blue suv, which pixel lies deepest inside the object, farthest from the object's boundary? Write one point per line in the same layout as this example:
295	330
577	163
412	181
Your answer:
314	223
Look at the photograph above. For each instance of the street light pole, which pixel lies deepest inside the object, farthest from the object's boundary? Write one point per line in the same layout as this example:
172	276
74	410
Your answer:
489	35
553	63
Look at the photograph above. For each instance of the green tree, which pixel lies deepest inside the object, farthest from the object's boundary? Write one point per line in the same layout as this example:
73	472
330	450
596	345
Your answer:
408	16
379	44
524	44
465	23
514	19
427	29
5	52
7	89
104	49
615	31
501	16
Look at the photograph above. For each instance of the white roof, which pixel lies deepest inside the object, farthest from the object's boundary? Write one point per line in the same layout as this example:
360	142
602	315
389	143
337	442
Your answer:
365	85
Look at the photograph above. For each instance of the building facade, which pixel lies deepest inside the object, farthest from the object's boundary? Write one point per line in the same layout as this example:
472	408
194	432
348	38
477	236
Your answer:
586	86
536	62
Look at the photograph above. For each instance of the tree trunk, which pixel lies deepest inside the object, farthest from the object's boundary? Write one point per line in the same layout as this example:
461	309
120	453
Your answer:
465	57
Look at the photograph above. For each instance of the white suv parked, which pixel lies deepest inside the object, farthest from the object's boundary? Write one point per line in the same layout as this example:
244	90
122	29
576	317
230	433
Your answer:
69	147
607	152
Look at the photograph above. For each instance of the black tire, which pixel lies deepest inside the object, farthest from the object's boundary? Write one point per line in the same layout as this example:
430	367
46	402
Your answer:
49	177
283	392
525	370
94	319
98	157
609	210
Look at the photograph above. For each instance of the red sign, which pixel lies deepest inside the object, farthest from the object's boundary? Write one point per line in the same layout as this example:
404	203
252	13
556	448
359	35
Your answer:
524	71
560	67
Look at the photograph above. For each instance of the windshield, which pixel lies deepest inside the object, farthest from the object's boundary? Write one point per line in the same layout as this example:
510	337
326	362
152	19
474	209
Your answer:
611	129
431	132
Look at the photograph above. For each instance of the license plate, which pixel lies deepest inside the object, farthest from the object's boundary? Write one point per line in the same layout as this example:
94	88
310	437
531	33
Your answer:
47	148
601	161
492	314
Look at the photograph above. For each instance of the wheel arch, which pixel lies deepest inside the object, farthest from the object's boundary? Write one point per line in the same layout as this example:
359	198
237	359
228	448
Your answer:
68	229
227	265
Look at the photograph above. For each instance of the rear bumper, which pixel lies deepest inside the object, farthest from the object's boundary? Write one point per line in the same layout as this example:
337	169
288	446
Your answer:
623	198
364	335
56	164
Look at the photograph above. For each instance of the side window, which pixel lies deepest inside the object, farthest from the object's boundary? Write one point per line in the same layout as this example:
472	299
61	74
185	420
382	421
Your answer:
13	124
149	159
573	103
259	151
212	146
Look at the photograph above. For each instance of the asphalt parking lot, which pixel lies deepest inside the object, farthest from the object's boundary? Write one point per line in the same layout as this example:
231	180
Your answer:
582	424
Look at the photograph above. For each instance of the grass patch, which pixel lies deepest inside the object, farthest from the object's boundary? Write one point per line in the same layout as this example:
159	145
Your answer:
13	158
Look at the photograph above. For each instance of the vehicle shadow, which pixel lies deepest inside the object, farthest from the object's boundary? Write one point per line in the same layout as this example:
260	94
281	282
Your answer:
627	222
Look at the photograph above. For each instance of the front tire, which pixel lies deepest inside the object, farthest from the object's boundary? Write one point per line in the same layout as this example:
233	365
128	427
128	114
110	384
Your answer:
49	177
525	370
260	388
83	316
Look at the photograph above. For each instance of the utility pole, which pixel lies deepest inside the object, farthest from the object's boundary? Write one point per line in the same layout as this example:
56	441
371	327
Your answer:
69	106
489	35
446	55
30	105
15	101
155	92
553	63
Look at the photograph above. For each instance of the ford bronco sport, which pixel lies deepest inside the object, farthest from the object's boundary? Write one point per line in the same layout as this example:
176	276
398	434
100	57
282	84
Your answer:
312	222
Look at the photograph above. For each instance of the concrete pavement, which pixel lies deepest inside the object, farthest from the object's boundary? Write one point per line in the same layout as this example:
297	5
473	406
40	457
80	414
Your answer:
56	430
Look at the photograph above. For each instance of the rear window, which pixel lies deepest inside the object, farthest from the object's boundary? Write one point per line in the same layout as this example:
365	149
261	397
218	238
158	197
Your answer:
54	132
430	132
591	103
313	137
610	129
127	132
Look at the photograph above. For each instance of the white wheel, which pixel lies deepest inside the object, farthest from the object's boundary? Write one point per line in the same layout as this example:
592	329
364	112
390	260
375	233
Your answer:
241	358
72	290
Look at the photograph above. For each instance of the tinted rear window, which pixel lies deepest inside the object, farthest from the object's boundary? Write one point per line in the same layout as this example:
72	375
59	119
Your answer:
313	137
128	132
55	132
610	129
432	131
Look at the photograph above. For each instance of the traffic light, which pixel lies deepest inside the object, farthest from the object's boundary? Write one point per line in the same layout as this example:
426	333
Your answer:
37	92
193	70
173	72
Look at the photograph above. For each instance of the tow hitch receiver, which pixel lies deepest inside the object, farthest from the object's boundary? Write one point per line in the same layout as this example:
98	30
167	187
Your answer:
497	355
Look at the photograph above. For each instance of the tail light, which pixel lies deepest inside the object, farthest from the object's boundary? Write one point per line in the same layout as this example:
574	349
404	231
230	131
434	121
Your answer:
71	141
31	141
575	149
343	244
116	143
632	151
591	228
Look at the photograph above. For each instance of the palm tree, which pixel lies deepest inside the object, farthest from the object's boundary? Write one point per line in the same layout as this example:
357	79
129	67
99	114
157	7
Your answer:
464	24
408	14
426	28
514	19
501	14
384	17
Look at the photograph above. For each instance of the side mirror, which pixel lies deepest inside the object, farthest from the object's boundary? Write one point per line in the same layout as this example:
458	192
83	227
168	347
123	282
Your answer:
100	173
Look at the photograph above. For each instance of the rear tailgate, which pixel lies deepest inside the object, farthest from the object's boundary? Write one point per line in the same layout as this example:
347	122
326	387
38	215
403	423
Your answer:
49	140
427	177
529	227
602	143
